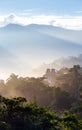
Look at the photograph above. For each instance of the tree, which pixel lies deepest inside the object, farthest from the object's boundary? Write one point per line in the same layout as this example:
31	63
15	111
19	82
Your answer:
16	115
70	122
62	100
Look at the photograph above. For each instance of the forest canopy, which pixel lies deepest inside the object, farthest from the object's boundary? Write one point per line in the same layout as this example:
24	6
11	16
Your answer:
31	103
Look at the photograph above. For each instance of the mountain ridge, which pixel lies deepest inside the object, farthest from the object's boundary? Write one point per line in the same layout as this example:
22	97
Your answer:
36	25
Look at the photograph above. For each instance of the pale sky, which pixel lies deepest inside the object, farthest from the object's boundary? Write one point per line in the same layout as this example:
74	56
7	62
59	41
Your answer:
63	13
58	7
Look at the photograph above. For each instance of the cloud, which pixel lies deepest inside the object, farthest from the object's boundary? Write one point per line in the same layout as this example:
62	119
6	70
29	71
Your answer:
69	22
59	63
10	18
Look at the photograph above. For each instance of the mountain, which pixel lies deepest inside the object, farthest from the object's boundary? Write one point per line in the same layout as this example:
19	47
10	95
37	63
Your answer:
31	45
54	39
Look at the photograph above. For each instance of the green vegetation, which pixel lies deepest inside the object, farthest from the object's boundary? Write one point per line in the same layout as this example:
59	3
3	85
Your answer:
31	104
17	114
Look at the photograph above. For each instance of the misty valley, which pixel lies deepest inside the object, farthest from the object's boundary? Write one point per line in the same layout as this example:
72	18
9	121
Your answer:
50	102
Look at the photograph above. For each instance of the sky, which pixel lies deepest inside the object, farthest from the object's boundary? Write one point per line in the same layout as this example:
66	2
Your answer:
64	13
60	13
60	7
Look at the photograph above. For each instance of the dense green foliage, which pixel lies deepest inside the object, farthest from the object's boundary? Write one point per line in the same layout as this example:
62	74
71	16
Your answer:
66	95
16	114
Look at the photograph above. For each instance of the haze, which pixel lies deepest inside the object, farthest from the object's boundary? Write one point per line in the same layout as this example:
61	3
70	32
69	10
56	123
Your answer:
37	32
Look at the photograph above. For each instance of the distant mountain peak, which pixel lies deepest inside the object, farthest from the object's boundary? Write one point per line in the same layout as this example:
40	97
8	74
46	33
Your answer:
12	26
